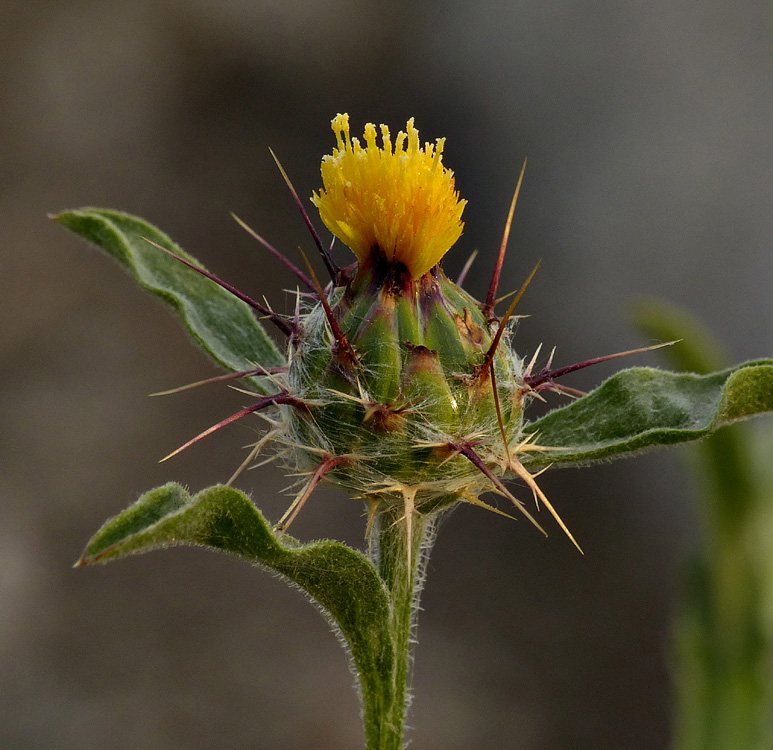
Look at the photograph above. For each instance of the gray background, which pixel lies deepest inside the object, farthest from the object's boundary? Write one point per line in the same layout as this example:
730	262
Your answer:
648	131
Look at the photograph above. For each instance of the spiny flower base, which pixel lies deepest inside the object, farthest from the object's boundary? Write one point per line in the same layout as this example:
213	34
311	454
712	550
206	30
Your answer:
400	392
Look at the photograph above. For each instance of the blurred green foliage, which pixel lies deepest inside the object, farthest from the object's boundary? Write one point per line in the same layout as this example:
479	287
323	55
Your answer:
724	622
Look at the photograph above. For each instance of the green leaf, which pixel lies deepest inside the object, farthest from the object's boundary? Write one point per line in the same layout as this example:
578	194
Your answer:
342	581
643	408
222	325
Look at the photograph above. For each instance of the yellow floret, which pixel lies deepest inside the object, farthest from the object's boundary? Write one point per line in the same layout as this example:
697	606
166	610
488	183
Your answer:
399	199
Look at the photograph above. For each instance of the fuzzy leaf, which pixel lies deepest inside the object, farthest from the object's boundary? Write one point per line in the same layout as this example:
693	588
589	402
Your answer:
643	408
342	581
222	325
724	463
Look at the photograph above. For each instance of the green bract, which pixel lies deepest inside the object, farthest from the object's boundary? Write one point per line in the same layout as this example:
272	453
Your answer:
395	398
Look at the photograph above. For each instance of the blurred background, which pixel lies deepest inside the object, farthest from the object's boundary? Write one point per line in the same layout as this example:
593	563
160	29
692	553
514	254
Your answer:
647	127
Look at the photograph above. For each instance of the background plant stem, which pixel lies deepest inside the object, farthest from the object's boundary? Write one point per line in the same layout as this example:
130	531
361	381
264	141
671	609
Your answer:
722	647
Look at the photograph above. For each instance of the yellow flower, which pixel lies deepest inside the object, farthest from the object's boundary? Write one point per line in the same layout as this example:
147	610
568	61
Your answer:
396	203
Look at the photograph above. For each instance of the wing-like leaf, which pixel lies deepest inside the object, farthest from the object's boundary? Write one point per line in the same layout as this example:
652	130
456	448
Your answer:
341	580
644	408
220	324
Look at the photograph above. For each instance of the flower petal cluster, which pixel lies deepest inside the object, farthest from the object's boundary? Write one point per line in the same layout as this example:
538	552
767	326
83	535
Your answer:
394	202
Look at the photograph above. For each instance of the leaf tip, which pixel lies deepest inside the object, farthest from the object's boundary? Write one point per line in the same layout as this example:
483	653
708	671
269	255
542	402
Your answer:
64	218
60	218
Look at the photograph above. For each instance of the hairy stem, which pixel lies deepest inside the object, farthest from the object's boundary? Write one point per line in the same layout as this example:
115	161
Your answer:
400	557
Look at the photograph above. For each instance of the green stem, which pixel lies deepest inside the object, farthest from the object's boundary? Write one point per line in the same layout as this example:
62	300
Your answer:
401	562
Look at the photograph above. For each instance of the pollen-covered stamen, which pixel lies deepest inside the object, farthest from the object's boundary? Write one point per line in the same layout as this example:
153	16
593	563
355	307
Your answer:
262	403
281	323
393	203
488	308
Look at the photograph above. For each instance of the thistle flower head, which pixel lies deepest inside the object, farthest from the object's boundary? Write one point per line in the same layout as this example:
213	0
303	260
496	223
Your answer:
399	387
394	203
